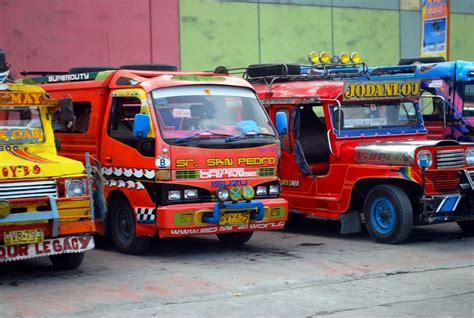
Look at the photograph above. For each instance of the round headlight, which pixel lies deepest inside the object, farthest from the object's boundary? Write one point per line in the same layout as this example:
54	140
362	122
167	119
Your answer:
235	194
470	156
4	209
222	194
424	159
324	57
248	193
355	57
344	58
75	187
313	57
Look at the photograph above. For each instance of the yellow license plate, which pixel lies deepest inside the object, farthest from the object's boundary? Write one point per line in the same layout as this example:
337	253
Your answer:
23	237
234	218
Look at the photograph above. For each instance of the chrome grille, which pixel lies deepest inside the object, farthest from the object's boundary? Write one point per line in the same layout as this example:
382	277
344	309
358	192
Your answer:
450	158
34	189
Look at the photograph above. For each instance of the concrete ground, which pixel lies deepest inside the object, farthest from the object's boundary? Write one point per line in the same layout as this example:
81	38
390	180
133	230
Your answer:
308	270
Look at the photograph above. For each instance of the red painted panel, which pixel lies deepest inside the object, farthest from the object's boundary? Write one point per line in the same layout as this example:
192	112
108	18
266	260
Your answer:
58	34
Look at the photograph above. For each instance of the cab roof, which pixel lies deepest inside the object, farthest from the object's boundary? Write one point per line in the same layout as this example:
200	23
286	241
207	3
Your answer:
148	80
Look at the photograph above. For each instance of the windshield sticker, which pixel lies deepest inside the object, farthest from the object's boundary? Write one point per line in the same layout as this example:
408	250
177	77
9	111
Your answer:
181	113
381	90
20	136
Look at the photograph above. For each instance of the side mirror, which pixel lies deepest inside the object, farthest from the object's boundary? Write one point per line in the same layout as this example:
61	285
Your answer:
281	123
66	109
141	126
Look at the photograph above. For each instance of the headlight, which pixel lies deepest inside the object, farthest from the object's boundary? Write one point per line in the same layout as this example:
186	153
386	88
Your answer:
75	187
261	191
222	194
174	195
274	189
424	159
191	194
470	156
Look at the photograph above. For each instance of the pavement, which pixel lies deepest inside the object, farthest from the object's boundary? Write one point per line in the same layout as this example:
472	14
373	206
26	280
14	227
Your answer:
307	270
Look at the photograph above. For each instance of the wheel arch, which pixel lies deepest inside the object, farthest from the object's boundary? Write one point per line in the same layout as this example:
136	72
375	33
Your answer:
362	188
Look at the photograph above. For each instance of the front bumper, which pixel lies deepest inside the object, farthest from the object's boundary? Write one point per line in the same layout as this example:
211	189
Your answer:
52	246
450	207
203	218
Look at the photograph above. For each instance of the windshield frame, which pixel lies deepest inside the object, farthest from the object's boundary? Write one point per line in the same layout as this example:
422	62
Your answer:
36	131
214	136
355	132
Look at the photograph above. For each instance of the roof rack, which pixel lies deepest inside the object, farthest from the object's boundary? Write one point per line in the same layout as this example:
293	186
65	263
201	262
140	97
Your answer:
43	73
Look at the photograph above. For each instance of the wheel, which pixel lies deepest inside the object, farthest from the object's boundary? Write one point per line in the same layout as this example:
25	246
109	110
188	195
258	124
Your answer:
388	214
123	228
467	226
277	69
88	69
67	261
235	239
149	67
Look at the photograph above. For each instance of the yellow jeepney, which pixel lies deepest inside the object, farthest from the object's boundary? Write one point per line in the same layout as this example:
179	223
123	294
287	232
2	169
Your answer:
45	199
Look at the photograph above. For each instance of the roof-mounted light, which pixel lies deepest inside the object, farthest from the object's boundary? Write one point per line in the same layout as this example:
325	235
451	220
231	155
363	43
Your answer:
344	58
355	57
324	57
313	57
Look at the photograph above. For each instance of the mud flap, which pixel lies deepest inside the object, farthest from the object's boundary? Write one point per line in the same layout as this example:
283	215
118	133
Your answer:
351	223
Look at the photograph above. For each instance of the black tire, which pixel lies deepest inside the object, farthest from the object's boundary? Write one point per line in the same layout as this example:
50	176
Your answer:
388	214
276	69
467	227
67	261
123	228
88	69
234	239
149	67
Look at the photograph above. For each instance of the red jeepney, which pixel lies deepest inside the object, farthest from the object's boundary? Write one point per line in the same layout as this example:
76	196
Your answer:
360	149
181	153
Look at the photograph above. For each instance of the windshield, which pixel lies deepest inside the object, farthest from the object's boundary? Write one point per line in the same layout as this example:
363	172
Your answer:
188	113
468	108
20	125
378	118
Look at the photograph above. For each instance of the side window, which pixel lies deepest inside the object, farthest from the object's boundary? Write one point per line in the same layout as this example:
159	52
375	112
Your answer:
426	103
82	116
122	115
120	125
285	140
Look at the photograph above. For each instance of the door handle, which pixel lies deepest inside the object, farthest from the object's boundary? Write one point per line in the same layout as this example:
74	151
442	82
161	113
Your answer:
108	158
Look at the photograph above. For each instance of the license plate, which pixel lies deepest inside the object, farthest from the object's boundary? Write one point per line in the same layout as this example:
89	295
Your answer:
23	237
234	218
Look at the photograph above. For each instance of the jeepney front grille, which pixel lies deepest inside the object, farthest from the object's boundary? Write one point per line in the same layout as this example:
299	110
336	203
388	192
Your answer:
33	189
450	158
443	181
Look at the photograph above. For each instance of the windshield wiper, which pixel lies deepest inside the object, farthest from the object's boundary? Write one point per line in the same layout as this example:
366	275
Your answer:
249	134
199	134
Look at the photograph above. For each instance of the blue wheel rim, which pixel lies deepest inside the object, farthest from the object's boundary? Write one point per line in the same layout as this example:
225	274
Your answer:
382	215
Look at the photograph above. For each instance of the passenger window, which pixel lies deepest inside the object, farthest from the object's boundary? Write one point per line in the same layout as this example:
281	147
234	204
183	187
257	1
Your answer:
82	115
120	125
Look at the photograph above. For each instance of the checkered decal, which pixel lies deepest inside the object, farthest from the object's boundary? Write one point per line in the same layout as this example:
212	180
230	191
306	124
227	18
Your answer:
145	215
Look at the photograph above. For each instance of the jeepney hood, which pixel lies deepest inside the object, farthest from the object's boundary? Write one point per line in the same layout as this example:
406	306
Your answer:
17	163
394	152
193	163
